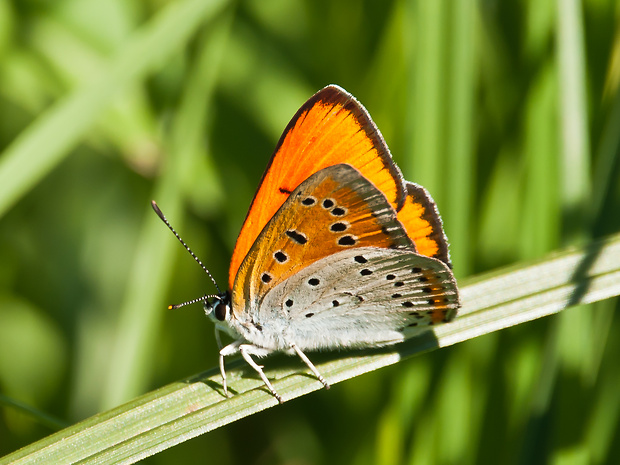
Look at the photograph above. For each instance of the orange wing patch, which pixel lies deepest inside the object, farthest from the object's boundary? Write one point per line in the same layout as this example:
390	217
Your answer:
441	315
331	128
420	218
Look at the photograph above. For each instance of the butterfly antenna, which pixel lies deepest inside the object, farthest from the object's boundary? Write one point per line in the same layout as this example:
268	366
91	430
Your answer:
163	218
190	302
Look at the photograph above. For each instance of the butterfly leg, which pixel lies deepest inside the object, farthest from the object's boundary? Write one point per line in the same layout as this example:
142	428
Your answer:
230	349
217	338
247	350
310	365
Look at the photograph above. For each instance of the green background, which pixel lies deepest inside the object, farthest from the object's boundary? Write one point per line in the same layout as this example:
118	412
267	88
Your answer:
508	112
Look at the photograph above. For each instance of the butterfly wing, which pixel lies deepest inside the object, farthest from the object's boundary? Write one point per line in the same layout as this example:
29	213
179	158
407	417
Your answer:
361	297
333	210
332	127
423	224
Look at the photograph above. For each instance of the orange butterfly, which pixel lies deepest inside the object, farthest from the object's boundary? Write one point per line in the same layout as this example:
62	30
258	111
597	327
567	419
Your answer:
337	249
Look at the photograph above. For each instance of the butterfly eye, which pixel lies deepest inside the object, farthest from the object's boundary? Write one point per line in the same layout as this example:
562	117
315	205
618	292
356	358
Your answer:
221	309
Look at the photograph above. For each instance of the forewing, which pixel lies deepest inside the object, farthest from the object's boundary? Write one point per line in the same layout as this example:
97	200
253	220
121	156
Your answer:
332	127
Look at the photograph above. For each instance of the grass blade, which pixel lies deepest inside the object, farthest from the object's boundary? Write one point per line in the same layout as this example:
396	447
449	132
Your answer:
575	141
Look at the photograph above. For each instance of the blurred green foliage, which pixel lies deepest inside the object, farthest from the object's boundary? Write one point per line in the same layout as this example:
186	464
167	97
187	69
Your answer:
508	112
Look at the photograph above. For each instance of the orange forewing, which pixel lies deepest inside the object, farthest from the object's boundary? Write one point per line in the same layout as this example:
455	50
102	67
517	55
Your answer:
332	127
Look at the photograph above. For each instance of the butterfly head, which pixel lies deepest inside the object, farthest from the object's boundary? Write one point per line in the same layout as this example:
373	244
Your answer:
217	308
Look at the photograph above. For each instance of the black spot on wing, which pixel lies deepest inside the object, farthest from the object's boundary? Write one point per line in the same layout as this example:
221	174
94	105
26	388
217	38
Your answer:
338	227
296	236
347	240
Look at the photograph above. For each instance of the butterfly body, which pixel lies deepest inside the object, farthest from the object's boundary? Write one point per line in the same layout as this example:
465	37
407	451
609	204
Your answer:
337	250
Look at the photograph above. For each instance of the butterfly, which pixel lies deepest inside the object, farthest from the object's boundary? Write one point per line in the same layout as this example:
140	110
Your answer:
337	249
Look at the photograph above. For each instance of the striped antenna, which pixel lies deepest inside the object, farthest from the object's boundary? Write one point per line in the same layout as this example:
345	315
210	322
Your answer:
204	298
163	218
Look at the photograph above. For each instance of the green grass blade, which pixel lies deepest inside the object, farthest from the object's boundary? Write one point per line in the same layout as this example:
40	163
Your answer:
44	418
575	140
182	410
48	140
462	85
427	98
